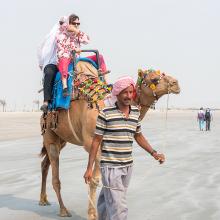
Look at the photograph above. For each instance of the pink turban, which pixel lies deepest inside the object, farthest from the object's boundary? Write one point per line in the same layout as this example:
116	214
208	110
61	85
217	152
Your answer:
121	84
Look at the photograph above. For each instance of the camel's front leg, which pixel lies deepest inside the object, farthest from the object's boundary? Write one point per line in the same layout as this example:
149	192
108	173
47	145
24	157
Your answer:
92	211
53	153
44	171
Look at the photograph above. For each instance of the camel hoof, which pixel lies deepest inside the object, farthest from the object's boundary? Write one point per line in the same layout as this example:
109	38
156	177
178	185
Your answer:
64	213
44	203
43	200
92	217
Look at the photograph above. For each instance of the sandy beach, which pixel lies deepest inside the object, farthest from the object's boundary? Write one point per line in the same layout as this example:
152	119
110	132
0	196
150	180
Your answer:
186	187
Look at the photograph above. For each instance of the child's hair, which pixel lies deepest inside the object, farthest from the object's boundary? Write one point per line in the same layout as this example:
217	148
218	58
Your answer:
72	18
63	20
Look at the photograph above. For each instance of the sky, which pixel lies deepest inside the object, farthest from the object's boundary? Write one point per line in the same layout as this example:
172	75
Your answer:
178	37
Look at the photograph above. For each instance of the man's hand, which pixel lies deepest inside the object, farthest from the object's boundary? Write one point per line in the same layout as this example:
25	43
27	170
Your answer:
97	139
142	141
88	176
159	157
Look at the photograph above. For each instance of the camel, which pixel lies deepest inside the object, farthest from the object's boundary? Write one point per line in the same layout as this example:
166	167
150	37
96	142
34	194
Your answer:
77	126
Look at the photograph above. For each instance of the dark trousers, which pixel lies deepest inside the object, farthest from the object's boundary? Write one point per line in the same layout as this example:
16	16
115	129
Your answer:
50	71
208	125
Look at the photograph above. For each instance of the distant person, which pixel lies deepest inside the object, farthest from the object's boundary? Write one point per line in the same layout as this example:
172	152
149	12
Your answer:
208	118
201	119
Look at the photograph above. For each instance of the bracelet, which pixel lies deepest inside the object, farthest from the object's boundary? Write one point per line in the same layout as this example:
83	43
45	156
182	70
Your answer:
152	152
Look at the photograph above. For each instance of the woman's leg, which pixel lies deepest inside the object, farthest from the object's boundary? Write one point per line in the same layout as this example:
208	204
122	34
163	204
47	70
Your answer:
203	125
200	124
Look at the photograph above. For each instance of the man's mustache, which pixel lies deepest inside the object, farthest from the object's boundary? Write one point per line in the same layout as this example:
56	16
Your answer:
127	99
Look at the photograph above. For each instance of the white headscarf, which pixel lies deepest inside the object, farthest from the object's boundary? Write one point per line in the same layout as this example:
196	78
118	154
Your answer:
65	19
47	49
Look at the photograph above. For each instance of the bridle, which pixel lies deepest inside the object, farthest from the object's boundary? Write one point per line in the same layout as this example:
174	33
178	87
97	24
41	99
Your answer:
152	85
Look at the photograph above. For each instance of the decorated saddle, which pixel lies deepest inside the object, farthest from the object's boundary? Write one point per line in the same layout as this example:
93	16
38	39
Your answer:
83	83
91	89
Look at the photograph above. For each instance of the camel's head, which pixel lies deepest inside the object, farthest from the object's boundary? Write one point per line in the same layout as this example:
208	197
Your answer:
157	84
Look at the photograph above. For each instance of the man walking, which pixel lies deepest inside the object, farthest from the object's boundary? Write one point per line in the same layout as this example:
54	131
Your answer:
208	118
116	127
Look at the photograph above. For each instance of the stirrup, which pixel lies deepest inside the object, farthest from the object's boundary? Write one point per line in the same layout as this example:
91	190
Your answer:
65	92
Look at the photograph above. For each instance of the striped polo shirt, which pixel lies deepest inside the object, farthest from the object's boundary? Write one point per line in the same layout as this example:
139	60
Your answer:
118	132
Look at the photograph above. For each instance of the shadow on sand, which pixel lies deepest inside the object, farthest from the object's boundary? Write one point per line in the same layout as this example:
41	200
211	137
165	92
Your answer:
15	203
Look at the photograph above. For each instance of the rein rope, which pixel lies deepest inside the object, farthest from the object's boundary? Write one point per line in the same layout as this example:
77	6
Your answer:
166	118
71	126
152	85
99	185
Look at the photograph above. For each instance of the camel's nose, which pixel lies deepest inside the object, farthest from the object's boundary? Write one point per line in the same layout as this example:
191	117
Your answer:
175	86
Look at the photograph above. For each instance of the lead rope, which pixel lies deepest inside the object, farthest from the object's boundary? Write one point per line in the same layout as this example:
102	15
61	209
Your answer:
71	127
96	183
166	119
99	185
75	136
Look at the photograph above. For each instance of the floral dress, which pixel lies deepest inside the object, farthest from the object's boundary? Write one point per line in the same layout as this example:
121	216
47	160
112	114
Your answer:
69	41
66	43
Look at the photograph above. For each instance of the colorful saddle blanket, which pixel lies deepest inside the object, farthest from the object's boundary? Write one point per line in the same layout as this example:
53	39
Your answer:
58	101
91	89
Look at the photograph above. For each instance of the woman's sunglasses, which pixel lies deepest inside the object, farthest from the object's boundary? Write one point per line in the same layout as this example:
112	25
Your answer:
75	23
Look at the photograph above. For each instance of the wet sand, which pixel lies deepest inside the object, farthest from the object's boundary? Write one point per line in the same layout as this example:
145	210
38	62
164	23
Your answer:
186	187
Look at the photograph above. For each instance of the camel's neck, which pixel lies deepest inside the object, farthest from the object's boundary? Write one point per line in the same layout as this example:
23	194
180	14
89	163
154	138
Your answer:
143	100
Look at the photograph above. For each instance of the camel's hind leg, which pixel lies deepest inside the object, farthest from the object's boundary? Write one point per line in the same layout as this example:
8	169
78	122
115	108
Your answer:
53	146
54	161
92	211
45	164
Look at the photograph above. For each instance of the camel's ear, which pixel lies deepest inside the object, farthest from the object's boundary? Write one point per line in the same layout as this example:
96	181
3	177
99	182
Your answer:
140	73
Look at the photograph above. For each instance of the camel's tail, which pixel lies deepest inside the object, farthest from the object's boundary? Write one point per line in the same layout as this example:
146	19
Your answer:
43	151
